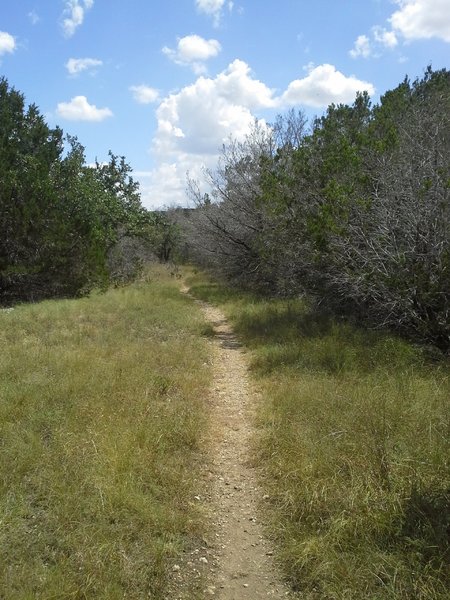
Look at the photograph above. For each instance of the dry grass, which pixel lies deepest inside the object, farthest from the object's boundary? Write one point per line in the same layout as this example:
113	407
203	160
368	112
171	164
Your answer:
101	420
354	446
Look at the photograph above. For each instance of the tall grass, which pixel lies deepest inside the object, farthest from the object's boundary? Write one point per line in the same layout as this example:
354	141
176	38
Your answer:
101	414
354	447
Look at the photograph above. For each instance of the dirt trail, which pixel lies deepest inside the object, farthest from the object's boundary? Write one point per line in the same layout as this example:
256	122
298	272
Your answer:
240	559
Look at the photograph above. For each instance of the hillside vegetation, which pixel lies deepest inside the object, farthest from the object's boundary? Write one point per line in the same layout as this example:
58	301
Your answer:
353	449
353	211
101	419
67	227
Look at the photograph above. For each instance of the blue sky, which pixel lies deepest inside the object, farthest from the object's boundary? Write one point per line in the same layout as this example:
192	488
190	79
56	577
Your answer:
166	83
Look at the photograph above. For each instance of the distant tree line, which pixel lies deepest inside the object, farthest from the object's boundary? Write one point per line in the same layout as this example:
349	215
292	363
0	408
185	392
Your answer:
354	210
65	227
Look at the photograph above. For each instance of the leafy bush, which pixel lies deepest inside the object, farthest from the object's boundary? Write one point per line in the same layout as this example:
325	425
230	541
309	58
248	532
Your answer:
355	212
63	222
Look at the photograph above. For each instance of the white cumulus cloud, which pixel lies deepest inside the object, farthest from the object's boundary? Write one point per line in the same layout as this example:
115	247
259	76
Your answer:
79	109
388	39
380	39
414	20
193	50
144	94
237	85
73	15
422	19
324	85
213	8
7	43
202	116
78	65
195	122
164	186
361	47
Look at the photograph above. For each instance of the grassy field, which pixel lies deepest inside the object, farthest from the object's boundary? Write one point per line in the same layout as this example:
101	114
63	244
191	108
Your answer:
101	419
354	447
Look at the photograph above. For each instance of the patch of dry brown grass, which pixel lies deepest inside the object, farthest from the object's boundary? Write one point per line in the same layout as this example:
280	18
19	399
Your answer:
101	419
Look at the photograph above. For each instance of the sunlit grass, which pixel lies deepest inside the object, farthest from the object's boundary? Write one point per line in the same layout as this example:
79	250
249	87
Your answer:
354	446
101	419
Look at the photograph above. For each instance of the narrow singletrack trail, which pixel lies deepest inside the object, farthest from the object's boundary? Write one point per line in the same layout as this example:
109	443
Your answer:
241	558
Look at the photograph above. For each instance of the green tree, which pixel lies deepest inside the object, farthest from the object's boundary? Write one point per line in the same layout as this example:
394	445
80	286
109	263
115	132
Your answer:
62	222
29	150
356	213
